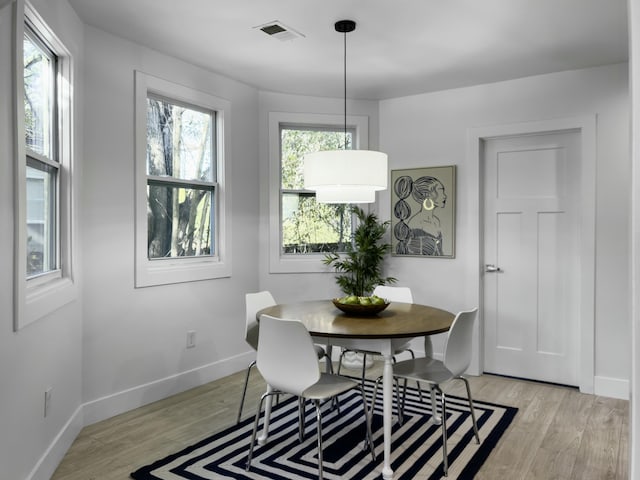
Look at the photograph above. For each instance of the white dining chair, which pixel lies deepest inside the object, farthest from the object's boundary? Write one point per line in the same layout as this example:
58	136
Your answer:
456	360
288	363
255	302
393	294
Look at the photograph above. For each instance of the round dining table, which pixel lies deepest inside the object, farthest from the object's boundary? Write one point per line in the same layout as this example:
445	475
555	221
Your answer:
382	332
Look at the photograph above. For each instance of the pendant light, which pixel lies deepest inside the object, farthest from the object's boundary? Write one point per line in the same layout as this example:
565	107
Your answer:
345	176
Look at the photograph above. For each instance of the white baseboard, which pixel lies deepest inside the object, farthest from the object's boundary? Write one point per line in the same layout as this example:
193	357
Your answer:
120	402
48	463
611	387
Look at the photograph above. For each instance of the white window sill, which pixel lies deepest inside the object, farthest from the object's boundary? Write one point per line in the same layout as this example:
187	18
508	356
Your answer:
42	299
150	273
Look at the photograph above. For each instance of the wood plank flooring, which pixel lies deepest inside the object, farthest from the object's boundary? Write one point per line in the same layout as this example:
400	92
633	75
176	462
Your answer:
558	432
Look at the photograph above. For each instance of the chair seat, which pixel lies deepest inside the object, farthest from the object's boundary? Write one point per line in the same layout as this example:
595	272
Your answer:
329	386
423	369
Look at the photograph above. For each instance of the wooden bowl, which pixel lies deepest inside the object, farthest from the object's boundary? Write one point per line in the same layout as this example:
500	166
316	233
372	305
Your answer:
360	310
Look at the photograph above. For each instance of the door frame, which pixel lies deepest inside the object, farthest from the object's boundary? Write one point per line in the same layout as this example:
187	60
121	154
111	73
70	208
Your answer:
586	126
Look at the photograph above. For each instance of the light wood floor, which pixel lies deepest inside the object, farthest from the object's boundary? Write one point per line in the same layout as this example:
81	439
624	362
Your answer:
558	432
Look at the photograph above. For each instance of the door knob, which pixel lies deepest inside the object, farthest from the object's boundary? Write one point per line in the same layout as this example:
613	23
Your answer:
489	268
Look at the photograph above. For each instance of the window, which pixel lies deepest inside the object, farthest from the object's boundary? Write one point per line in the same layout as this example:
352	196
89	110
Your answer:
180	209
42	169
308	226
302	230
44	133
180	179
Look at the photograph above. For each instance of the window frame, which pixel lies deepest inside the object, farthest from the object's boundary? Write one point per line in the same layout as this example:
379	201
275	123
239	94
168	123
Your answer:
37	296
46	162
162	271
309	262
210	185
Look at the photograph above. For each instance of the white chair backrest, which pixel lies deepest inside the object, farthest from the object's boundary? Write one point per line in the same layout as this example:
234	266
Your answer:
253	303
394	294
287	359
457	350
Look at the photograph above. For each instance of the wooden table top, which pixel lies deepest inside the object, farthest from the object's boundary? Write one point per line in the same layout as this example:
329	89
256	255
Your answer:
398	320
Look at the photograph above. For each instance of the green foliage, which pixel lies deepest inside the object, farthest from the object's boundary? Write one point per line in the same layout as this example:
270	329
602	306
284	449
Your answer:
360	267
295	143
308	226
178	146
311	227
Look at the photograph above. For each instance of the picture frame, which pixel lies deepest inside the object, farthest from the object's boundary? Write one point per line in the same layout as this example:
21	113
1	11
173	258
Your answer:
423	207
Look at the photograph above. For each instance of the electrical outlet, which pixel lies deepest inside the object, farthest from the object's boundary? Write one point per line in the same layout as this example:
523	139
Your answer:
191	339
47	400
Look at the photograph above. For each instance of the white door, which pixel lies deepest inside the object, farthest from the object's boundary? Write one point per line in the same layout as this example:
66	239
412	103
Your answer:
531	252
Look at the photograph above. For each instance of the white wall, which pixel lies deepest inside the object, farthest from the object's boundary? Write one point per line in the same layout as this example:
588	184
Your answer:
135	339
431	129
47	353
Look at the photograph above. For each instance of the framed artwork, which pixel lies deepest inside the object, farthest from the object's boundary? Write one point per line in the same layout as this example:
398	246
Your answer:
423	207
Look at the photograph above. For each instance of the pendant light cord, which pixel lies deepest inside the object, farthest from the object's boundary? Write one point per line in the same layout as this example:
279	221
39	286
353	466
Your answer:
344	27
345	90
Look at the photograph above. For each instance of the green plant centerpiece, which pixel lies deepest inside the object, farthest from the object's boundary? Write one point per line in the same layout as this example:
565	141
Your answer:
360	266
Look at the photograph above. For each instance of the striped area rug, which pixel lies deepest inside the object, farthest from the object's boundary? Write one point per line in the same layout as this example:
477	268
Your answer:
416	445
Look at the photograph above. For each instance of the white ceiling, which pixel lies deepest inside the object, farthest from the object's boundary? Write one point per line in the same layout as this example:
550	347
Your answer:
399	47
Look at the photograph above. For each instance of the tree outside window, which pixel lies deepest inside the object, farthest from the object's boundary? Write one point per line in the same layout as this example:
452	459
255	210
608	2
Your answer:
306	225
180	179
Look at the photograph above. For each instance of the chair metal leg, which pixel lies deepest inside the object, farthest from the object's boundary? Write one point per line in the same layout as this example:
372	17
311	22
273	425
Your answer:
437	420
445	460
397	384
399	398
340	359
375	395
319	429
413	356
255	431
301	417
364	367
329	363
473	415
402	402
367	419
244	391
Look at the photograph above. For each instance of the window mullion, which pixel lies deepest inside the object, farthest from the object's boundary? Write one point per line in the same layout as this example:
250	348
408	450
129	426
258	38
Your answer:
42	159
304	192
179	182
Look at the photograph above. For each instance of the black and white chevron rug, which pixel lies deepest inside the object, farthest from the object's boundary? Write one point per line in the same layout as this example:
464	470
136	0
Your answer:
415	452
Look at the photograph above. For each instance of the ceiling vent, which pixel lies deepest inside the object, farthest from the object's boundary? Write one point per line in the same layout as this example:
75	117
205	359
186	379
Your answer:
279	30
